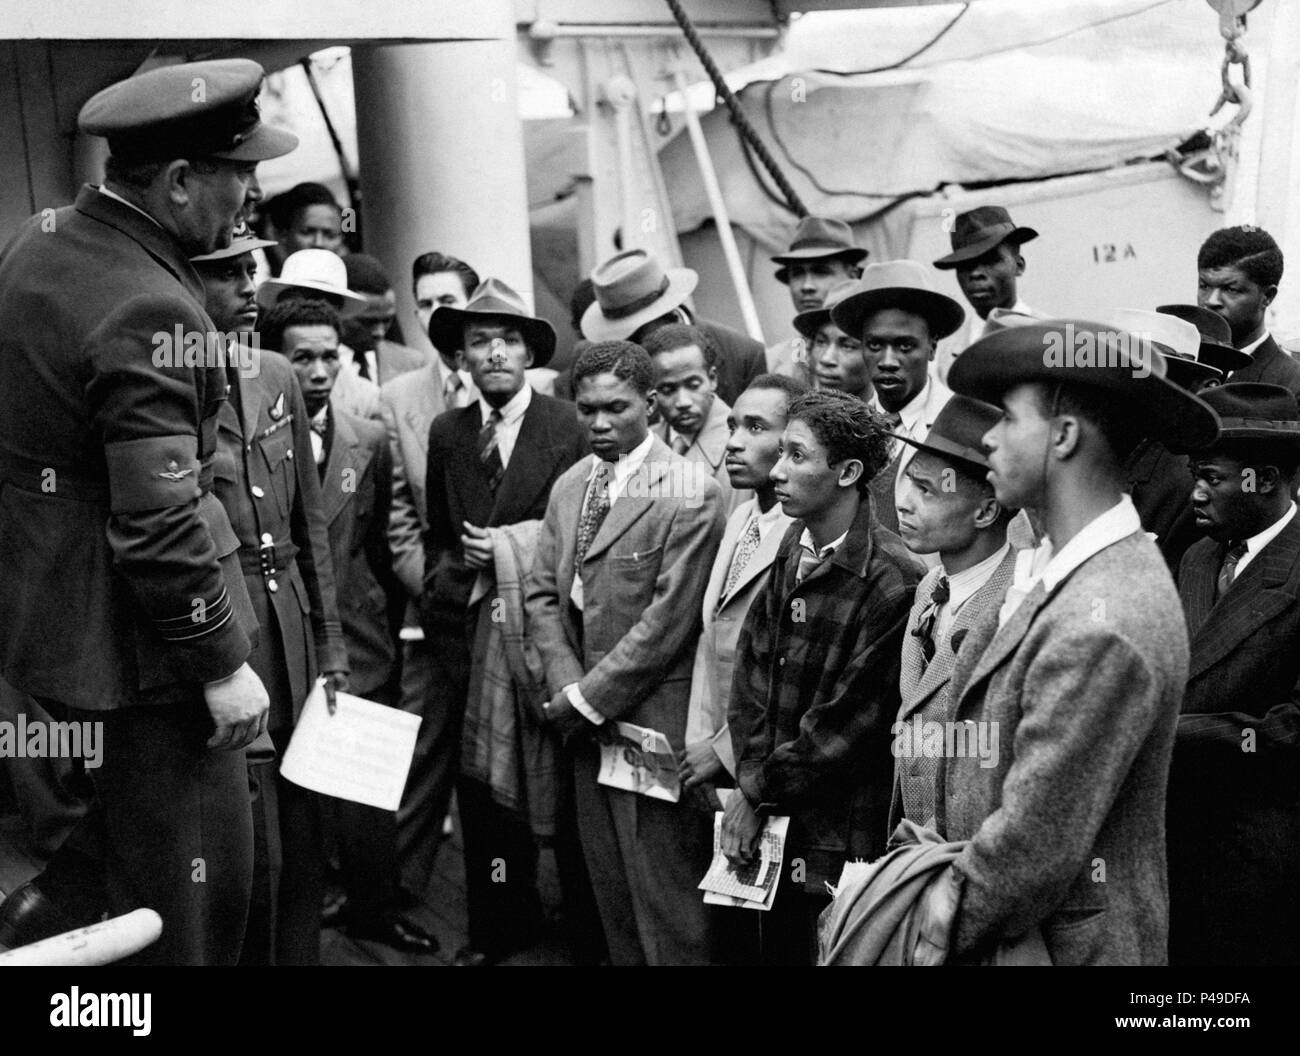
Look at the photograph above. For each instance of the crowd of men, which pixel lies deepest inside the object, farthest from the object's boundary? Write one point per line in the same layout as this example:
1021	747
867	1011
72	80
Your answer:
1000	603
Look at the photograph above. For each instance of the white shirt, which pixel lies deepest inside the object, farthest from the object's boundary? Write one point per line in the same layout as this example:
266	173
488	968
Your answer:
978	326
1250	350
1256	543
103	189
1050	567
512	417
624	468
318	441
444	372
962	586
916	417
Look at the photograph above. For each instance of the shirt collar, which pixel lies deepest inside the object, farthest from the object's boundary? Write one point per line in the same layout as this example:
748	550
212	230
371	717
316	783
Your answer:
513	409
1119	522
914	410
806	542
1256	543
766	521
963	585
626	464
1253	347
103	189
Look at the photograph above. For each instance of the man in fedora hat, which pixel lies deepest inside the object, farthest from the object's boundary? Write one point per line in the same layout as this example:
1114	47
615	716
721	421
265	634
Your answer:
986	257
1238	272
946	507
1158	479
491	465
831	358
321	275
635	295
123	601
821	256
1064	828
900	318
1234	786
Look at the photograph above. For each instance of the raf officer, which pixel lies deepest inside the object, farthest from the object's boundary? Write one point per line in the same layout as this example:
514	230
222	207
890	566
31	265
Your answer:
123	599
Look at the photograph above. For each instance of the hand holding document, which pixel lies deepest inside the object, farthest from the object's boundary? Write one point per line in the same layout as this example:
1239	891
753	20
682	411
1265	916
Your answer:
751	886
639	759
361	753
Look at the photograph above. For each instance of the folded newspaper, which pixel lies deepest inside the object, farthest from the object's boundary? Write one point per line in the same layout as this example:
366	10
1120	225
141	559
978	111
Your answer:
640	760
751	886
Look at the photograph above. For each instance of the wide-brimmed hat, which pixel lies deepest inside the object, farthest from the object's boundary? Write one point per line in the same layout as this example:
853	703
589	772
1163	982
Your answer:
1174	338
1216	336
809	322
492	299
903	284
633	289
1253	410
957	433
819	238
975	232
1093	354
190	110
313	269
242	241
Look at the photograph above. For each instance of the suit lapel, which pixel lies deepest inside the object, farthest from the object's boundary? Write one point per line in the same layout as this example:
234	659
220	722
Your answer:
1003	642
712	441
530	464
726	550
1258	595
343	455
760	562
634	500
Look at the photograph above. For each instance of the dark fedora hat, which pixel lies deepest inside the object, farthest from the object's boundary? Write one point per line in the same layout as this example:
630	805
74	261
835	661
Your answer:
1252	410
957	433
809	322
976	232
632	288
903	284
1216	336
1128	366
492	300
819	238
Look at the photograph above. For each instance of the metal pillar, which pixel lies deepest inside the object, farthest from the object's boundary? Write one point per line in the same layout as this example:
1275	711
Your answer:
442	157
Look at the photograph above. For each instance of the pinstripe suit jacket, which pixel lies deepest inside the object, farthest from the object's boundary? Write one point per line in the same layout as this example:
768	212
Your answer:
1234	805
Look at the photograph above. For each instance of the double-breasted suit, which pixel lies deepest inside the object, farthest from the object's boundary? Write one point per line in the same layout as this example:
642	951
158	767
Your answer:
122	591
1234	786
630	651
924	688
1066	827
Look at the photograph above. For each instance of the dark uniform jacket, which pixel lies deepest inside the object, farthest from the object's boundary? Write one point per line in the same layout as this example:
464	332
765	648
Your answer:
1234	786
1272	364
265	477
356	493
119	567
815	692
456	489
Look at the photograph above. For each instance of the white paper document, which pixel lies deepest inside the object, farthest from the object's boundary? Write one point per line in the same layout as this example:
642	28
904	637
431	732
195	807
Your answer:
360	753
640	761
750	886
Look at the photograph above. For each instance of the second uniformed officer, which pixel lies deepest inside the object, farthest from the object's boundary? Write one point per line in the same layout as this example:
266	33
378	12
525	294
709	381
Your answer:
123	601
267	482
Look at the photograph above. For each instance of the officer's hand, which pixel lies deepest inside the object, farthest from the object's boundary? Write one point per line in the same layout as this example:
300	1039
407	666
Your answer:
476	545
741	827
238	706
699	765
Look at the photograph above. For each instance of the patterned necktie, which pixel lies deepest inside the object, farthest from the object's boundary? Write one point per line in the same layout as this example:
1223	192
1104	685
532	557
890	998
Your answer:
924	629
744	551
488	452
1228	570
680	444
594	509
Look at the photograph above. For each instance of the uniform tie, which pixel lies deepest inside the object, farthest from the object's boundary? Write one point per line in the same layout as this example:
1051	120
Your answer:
594	509
744	551
1228	570
924	629
488	451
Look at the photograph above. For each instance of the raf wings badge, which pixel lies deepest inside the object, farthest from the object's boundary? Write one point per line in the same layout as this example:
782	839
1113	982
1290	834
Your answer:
173	472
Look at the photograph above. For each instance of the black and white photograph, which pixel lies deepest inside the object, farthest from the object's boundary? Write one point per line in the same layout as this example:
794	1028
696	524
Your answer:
618	483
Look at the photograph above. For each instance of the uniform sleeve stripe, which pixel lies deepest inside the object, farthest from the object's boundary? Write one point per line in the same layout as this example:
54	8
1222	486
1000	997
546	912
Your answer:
176	628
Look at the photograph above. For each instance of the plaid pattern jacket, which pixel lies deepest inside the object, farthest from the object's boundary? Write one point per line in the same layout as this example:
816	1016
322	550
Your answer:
816	690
